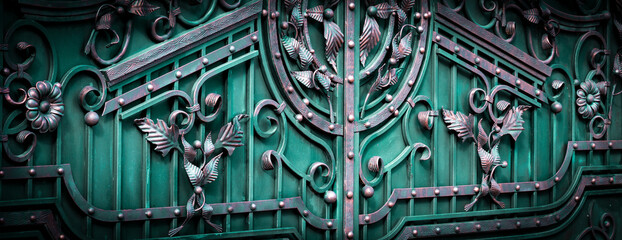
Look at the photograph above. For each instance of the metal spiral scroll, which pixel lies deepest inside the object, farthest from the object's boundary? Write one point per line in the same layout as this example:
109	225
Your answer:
271	159
273	123
606	228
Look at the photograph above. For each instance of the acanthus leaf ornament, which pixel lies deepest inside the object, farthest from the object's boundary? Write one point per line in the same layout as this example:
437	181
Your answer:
334	42
370	36
159	134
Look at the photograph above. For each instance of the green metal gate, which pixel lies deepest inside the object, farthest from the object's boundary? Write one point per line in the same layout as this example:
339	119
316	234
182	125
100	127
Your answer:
308	119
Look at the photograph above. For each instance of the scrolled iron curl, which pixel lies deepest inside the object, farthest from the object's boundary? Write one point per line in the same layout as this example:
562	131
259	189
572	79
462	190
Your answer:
273	123
21	137
101	80
271	159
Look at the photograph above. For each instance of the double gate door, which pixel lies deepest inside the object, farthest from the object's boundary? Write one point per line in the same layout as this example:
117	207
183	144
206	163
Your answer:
335	119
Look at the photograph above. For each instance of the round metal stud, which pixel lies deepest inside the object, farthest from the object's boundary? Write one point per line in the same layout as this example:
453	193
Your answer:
557	217
1	220
120	216
350	234
517	224
396	113
230	209
538	92
277	55
518	82
610	144
290	89
537	185
415	232
413	193
350	194
367	218
91	118
253	206
593	181
299	117
351	6
517	187
254	38
309	115
351	117
456	49
33	218
538	223
61	237
264	12
577	82
176	211
281	204
231	48
417	15
121	101
504	164
422	50
150	86
478	227
284	25
576	198
60	171
6	71
437	230
32	172
425	15
305	101
197	144
611	180
476	189
557	179
329	224
575	145
367	124
388	98
498	225
178	74
350	78
437	38
91	211
411	83
350	154
607	224
437	191
198	190
330	197
593	145
392	61
351	44
274	14
1	173
498	70
455	190
148	214
331	127
420	29
387	47
556	107
390	204
391	109
457	229
312	51
477	60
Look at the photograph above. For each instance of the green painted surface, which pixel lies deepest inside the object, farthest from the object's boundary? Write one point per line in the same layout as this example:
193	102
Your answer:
114	167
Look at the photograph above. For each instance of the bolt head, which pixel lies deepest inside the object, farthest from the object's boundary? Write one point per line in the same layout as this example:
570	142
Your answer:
351	118
392	61
457	229
61	237
330	197
120	216
329	224
518	224
556	107
610	144
367	124
413	193
417	15
396	113
254	38
350	78
281	204
277	55
537	185
150	87
518	82
368	191
367	218
231	48
305	212
372	11
309	115
253	206
575	145
391	109
517	187
32	172
557	179
456	49
198	190
498	225
422	50
176	211
350	155
350	234
331	127
411	83
264	12
91	118
230	209
593	145
538	92
504	164
274	14
538	222
284	25
6	71
1	173
60	171
351	44
197	144
178	74
290	89
477	60
305	101
611	180
390	204
351	6
476	189
438	38
455	189
349	194
437	191
576	198
593	181
478	227
425	15
498	70
148	214
91	211
437	230
121	101
299	117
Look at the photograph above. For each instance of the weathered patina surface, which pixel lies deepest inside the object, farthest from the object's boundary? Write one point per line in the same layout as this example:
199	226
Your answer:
309	119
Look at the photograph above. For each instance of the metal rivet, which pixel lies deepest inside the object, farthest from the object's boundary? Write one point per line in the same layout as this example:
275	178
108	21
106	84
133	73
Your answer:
478	227
538	92
390	204
611	180
557	179
121	101
351	44
120	216
33	218
205	61
456	49
538	223
350	194
576	198
438	38
230	209
455	190
413	193
392	61
1	220
274	14
264	12
498	70
425	15
329	224
61	237
367	124
367	218
91	118
537	185
148	214
388	98
351	118
610	144
411	83
415	232
331	127
351	6
176	211
1	173
417	15
290	89
253	206
437	230
437	191
178	74
350	78
254	38
517	224
391	109
593	181
60	171
231	48
517	187
198	189
457	229
91	211
149	87
299	117
498	225
518	82
32	172
387	47
305	101
277	55
593	145
312	51
476	189
396	113
557	217
350	154
309	115
575	145
281	204
350	234
477	60
422	50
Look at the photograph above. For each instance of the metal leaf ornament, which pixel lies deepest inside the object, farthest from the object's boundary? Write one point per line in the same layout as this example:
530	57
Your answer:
382	82
316	13
334	41
512	123
316	80
163	137
369	37
460	123
384	10
230	135
403	48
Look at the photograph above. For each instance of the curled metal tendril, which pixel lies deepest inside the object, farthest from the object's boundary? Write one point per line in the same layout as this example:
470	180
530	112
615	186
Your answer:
92	50
21	138
88	90
169	32
228	6
273	122
271	159
7	83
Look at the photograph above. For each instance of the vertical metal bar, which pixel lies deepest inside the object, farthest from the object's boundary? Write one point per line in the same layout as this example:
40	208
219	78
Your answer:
117	164
174	159
434	77
250	136
452	165
89	177
514	167
147	167
350	229
230	92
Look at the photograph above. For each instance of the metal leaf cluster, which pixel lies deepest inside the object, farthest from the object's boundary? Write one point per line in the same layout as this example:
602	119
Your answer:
512	122
297	51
